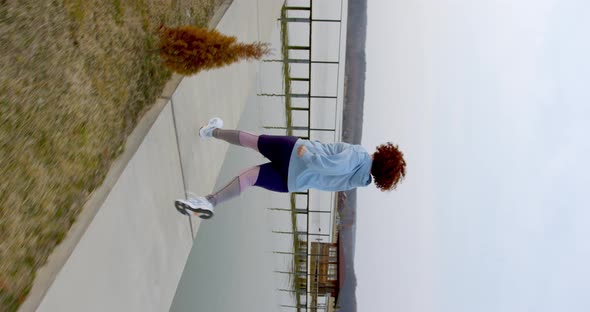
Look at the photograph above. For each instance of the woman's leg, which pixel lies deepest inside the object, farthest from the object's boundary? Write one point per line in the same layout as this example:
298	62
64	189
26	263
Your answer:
278	149
235	187
271	178
237	137
203	206
265	176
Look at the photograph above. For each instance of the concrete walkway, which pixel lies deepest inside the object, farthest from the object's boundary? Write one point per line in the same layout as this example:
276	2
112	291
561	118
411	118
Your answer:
128	249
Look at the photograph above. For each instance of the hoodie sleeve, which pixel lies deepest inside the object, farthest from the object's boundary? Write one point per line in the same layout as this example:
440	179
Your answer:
339	158
335	148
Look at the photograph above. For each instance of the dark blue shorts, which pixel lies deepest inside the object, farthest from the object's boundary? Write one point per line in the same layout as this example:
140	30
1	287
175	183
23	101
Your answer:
274	174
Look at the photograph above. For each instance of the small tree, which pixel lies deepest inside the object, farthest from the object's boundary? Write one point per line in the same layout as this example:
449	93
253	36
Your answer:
188	50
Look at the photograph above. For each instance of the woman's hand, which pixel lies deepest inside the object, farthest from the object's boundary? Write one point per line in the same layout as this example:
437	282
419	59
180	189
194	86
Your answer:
301	150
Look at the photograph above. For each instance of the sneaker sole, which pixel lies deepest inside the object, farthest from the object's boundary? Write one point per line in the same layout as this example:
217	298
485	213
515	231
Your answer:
184	208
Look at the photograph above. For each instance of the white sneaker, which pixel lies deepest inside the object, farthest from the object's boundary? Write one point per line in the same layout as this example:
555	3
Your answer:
199	205
207	131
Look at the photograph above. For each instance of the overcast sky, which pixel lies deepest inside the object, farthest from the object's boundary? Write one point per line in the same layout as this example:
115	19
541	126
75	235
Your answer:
490	101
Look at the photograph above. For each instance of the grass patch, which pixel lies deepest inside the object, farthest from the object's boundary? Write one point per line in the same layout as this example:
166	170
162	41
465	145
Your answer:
76	77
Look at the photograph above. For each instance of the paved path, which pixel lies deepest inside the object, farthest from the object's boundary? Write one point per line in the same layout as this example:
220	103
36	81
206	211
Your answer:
128	254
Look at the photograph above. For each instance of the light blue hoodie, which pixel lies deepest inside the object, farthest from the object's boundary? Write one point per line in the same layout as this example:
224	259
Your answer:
329	167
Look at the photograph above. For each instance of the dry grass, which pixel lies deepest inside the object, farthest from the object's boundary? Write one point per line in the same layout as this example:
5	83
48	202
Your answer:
75	77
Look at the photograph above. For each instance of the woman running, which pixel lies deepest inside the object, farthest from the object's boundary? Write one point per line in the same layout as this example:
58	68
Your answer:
297	165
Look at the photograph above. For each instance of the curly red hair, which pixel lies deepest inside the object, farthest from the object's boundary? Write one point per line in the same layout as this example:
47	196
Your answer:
389	167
